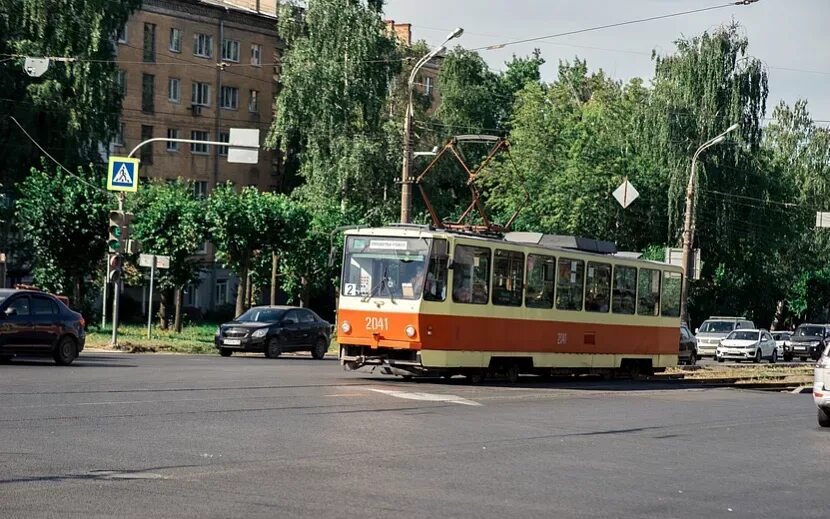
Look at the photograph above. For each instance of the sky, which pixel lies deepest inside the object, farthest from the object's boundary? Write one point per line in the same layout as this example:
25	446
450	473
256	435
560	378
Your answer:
790	36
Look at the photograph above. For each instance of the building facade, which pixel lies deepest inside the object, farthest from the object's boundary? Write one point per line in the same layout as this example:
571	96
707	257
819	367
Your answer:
194	69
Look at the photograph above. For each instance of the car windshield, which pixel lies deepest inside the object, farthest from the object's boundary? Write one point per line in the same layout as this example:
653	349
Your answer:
809	331
261	315
717	326
743	335
385	267
780	336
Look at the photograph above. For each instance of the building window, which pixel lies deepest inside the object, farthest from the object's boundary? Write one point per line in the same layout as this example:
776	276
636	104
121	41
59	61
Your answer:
121	80
221	291
508	278
253	101
174	89
569	284
648	292
224	137
203	45
149	43
148	88
429	85
230	97
624	295
172	133
197	147
230	50
201	94
118	139
123	34
256	54
200	189
175	39
598	288
471	275
147	149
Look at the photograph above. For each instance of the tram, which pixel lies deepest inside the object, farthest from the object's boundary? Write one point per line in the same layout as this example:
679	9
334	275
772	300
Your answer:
422	301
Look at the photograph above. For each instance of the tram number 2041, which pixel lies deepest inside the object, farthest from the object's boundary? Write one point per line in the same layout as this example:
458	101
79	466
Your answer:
377	323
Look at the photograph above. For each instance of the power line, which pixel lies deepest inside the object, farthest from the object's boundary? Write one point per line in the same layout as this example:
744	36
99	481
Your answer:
611	25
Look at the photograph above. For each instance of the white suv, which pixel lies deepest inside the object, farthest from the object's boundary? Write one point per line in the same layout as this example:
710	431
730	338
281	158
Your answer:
714	330
821	388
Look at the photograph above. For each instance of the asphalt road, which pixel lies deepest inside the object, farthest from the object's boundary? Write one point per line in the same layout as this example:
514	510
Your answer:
120	435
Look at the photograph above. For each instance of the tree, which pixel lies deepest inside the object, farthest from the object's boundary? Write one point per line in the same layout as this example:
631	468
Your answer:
76	104
170	221
64	219
247	226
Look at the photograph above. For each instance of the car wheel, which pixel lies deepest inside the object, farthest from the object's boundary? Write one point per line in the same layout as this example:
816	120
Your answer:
757	359
788	358
320	348
692	359
5	359
273	349
66	352
774	358
803	359
719	359
823	417
225	352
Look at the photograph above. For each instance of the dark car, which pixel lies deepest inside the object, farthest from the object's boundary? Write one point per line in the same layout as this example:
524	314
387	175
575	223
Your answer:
808	341
274	330
688	347
37	323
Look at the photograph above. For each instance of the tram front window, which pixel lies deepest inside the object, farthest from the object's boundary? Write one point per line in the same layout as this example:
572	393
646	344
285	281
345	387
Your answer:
387	268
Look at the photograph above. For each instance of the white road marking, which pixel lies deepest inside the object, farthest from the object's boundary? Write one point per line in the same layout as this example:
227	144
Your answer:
428	397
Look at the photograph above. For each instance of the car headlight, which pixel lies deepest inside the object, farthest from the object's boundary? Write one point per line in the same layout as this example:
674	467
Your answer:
258	334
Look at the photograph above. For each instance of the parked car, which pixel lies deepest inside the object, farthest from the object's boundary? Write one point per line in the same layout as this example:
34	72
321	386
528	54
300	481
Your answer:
782	340
274	330
715	329
37	323
688	347
808	341
753	345
821	388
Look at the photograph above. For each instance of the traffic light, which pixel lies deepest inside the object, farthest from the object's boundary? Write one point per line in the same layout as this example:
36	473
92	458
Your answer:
116	263
117	232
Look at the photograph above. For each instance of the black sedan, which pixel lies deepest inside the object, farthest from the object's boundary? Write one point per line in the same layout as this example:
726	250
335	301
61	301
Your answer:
37	323
274	330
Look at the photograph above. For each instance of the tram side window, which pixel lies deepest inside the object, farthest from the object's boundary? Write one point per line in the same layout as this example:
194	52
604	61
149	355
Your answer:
541	272
598	287
435	288
670	299
648	292
508	277
471	275
569	284
625	290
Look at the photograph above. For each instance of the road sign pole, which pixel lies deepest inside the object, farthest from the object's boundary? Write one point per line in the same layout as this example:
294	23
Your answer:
150	303
116	289
106	285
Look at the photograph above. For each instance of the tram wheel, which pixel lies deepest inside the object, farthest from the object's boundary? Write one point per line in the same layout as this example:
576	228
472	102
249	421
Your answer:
475	377
512	373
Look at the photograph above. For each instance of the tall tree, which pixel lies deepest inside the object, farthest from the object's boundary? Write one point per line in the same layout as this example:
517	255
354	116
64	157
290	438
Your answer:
170	221
64	220
75	104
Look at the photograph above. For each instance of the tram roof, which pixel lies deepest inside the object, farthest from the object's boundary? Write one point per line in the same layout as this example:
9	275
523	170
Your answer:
538	240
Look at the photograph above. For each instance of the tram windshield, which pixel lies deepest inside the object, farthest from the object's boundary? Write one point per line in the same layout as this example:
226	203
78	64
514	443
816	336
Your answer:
385	267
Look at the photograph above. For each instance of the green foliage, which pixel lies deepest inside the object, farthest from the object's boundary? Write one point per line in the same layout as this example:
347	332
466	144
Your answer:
75	104
64	221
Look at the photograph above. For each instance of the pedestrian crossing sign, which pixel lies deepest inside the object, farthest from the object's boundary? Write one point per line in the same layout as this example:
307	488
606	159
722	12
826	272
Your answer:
122	174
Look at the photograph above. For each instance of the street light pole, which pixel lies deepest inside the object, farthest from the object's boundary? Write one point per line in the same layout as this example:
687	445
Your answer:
406	176
688	225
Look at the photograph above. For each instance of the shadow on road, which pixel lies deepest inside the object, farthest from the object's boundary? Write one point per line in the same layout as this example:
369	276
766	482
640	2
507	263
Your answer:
83	361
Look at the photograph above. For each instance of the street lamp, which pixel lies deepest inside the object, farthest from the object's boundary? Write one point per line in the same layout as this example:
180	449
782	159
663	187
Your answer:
406	177
688	226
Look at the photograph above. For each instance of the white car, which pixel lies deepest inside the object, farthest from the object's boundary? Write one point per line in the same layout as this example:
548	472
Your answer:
754	345
821	388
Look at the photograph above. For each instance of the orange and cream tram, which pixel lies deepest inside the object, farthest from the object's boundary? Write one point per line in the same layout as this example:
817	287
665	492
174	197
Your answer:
423	301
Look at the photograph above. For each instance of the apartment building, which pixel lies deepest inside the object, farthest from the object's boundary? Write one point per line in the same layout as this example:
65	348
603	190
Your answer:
194	69
426	82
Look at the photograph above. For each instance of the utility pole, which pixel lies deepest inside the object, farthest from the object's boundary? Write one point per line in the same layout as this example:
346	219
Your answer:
688	224
406	174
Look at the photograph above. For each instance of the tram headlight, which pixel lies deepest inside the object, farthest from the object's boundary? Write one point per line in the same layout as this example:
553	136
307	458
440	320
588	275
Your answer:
345	327
410	331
